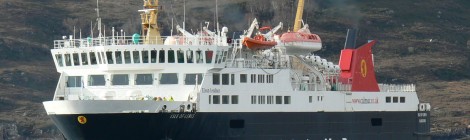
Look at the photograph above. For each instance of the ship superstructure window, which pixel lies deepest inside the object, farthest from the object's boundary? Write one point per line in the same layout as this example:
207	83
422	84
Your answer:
218	56
234	99
58	58
253	99
209	55
144	79
93	58
224	56
310	100
286	99
180	56
232	79
395	99
68	60
153	56
216	78
161	56
388	99
270	99
270	78
278	99
76	60
99	57
171	56
168	78
74	81
118	56
243	78
96	80
136	56
104	57
190	79
210	99
109	57
127	57
84	57
225	79
120	79
261	99
253	78
145	56
402	99
199	57
189	56
225	99
260	78
216	99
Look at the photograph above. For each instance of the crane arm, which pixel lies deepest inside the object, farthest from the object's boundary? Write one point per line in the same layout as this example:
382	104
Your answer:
298	16
270	34
184	32
252	27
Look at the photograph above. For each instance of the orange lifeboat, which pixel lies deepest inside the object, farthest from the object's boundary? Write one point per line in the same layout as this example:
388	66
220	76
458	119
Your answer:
259	42
300	42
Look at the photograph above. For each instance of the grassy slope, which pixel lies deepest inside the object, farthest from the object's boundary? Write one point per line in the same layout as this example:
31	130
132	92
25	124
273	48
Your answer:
404	54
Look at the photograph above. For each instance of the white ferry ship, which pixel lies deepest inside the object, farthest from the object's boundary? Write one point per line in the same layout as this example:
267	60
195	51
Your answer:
202	87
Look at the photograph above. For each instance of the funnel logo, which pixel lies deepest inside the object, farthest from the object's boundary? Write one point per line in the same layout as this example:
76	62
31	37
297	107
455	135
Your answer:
81	119
363	68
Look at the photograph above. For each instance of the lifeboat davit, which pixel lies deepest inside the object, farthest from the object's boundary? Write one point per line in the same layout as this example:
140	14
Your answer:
259	42
300	42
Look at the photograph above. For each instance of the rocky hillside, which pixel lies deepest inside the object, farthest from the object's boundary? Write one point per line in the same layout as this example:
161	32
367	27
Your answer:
421	42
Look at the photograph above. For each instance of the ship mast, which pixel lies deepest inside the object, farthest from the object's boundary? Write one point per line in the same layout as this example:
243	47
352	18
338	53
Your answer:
298	16
150	29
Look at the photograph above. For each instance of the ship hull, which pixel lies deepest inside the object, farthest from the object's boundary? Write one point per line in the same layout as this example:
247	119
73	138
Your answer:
242	125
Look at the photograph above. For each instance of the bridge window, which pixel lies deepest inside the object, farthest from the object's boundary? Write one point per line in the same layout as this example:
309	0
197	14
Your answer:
395	99
278	99
109	56
74	81
232	79
171	56
189	56
225	99
234	99
136	56
270	99
153	56
402	99
93	58
190	79
99	58
261	78
120	79
68	60
161	56
270	78
144	79
253	78
209	55
243	78
118	56
169	78
180	56
96	80
199	57
127	57
216	99
104	57
58	58
224	56
84	58
225	79
216	78
145	56
287	100
76	60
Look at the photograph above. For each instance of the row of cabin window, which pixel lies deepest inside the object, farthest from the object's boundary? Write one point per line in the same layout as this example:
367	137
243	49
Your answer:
140	79
225	77
262	99
226	99
136	57
396	99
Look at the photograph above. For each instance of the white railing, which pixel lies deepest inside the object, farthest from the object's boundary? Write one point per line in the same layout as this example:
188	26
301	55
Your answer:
129	40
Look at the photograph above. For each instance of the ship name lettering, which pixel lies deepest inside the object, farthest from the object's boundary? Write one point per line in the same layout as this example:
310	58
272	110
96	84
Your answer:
422	114
366	101
182	116
210	90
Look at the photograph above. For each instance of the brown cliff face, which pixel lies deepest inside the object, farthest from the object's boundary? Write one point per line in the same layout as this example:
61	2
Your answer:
421	42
